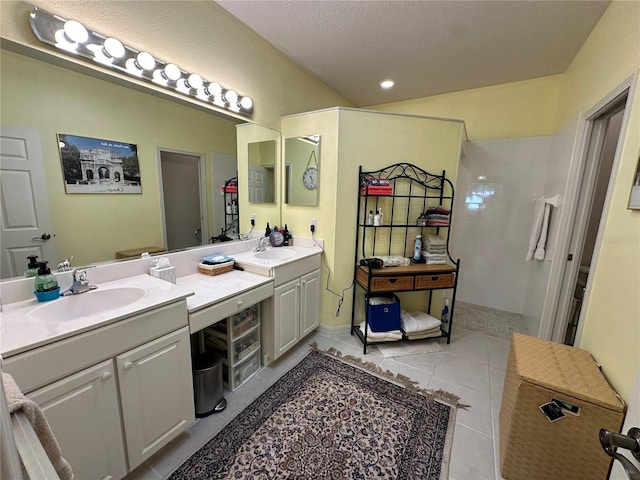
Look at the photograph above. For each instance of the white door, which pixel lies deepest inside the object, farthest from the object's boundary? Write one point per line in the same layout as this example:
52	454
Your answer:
83	413
257	184
156	392
24	201
181	189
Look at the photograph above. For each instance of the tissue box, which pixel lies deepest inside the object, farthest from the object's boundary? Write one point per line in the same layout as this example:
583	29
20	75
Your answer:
164	273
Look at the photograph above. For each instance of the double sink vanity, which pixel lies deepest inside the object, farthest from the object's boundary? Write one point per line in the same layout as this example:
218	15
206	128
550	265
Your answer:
112	368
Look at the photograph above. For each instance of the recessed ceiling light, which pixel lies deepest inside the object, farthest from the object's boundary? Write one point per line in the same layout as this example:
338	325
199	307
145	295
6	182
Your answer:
387	83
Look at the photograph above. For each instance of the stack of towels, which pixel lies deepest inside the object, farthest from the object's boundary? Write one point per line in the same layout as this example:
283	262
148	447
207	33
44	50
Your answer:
416	325
434	249
438	217
372	337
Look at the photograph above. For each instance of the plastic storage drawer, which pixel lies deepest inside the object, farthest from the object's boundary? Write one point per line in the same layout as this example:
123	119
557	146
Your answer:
246	345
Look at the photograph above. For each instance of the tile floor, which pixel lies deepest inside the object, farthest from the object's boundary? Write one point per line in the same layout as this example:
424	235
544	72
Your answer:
497	323
472	366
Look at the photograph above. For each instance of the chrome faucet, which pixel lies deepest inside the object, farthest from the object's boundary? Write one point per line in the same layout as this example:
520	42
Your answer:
80	282
262	244
65	265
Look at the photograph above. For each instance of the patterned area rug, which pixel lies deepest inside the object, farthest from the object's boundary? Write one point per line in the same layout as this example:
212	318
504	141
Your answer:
330	419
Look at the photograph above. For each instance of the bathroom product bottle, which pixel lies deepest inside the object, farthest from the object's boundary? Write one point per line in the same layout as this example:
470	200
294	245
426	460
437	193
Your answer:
45	281
228	208
234	207
286	235
370	218
445	312
267	232
376	219
32	267
417	249
381	217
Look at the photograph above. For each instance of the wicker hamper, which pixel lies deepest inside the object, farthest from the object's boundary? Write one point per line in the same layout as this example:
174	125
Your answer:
531	446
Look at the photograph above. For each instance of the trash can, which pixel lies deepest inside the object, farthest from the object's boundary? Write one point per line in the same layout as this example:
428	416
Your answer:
207	384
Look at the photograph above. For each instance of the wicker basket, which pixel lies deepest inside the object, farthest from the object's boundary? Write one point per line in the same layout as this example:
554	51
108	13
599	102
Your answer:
215	269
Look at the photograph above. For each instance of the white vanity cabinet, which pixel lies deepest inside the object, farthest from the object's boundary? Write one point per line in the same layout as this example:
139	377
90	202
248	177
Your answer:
83	413
153	379
294	310
114	395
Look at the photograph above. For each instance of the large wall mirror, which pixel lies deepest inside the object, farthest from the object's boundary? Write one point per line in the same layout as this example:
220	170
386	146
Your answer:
262	171
302	170
49	99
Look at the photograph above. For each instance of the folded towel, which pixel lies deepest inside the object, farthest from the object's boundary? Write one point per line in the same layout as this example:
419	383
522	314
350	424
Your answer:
381	300
372	337
17	401
216	259
431	239
417	322
435	332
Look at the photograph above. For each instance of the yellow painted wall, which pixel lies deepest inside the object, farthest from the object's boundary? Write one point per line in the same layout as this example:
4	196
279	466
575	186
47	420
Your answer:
52	100
611	329
541	107
520	109
199	37
351	138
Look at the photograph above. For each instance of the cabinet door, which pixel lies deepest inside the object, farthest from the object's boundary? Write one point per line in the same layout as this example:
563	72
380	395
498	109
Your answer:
83	413
156	392
286	316
309	302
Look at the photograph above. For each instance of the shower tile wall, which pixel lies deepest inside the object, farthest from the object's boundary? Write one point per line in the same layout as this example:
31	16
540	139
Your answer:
493	211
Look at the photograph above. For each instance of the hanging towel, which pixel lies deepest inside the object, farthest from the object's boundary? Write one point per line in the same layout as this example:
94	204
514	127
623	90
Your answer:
537	227
17	401
542	241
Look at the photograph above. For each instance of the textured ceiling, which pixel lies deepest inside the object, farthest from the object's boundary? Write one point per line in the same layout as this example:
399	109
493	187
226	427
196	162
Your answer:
427	47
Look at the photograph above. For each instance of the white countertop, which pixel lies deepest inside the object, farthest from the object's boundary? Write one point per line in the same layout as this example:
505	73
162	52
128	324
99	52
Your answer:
211	289
18	333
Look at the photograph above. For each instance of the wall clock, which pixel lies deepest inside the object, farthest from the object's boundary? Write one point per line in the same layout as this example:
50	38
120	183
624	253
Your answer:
310	175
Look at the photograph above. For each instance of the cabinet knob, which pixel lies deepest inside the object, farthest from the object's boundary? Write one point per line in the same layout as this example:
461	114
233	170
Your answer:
107	375
240	302
127	365
304	282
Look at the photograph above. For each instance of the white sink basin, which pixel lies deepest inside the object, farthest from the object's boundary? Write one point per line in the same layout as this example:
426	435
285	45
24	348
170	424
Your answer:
86	304
275	254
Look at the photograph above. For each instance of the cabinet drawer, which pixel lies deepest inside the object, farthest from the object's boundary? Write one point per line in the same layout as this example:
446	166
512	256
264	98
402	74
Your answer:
386	284
442	280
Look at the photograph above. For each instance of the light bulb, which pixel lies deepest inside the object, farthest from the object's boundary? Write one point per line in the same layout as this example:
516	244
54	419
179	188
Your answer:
63	42
145	61
195	81
214	89
231	97
75	31
246	103
172	72
387	84
113	48
159	77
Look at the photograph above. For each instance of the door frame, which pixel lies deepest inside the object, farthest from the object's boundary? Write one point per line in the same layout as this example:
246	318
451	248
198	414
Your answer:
202	192
557	296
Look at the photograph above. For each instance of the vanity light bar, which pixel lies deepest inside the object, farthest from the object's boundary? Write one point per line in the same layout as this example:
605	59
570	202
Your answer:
72	37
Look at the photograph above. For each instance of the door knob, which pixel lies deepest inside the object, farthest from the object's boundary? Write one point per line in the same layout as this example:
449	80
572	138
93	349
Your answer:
44	236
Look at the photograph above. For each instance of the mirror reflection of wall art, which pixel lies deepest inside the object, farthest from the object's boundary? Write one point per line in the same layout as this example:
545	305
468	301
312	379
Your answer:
634	198
92	165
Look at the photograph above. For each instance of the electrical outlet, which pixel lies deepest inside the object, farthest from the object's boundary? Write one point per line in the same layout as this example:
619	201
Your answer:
253	219
314	224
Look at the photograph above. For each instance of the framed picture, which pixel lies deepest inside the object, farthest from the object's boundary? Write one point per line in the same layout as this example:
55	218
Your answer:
634	197
92	165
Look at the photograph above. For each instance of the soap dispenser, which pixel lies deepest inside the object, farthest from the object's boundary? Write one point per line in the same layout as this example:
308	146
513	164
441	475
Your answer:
32	267
46	285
